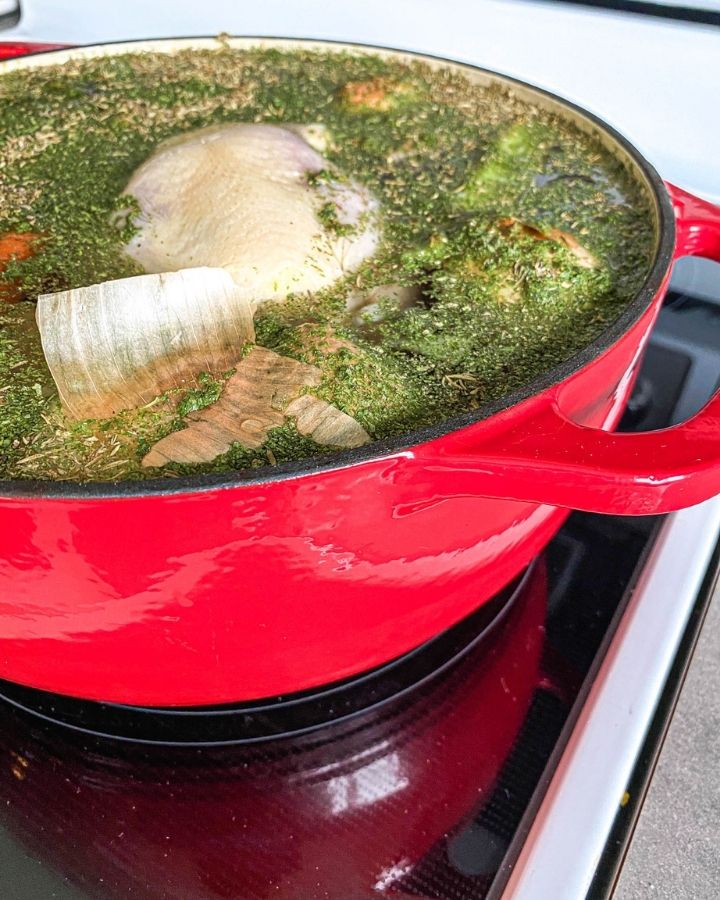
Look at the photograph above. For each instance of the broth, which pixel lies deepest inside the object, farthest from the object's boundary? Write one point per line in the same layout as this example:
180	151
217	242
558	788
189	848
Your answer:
508	240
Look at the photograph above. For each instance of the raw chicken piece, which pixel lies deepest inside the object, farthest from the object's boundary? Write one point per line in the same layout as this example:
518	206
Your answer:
239	197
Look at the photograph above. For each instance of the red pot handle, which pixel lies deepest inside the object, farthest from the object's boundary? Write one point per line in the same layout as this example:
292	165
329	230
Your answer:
547	458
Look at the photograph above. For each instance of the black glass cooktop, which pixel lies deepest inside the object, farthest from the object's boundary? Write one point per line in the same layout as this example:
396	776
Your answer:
419	779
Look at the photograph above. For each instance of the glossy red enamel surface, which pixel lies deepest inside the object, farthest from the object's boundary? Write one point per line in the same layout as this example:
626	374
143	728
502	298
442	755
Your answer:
9	50
233	595
265	588
331	814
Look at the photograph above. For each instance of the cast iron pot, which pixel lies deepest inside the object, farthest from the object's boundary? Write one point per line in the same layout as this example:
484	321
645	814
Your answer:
226	588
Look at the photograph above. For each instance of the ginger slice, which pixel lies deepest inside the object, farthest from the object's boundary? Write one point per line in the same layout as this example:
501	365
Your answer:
253	401
326	424
263	392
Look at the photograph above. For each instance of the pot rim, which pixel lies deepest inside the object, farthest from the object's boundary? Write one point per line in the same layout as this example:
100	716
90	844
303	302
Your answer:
404	443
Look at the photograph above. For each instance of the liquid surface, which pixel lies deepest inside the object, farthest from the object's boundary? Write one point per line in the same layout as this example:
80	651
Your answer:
508	241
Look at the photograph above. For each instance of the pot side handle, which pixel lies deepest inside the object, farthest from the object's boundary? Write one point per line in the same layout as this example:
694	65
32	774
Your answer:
547	458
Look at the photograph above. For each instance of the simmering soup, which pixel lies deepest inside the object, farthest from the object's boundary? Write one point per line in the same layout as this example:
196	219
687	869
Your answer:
216	260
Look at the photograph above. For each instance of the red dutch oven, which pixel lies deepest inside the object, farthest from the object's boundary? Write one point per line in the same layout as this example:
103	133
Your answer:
226	588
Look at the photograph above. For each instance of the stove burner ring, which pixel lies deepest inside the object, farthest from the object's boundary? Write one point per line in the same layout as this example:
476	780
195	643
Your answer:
278	717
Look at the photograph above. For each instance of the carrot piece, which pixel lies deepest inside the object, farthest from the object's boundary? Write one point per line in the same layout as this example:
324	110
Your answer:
15	245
